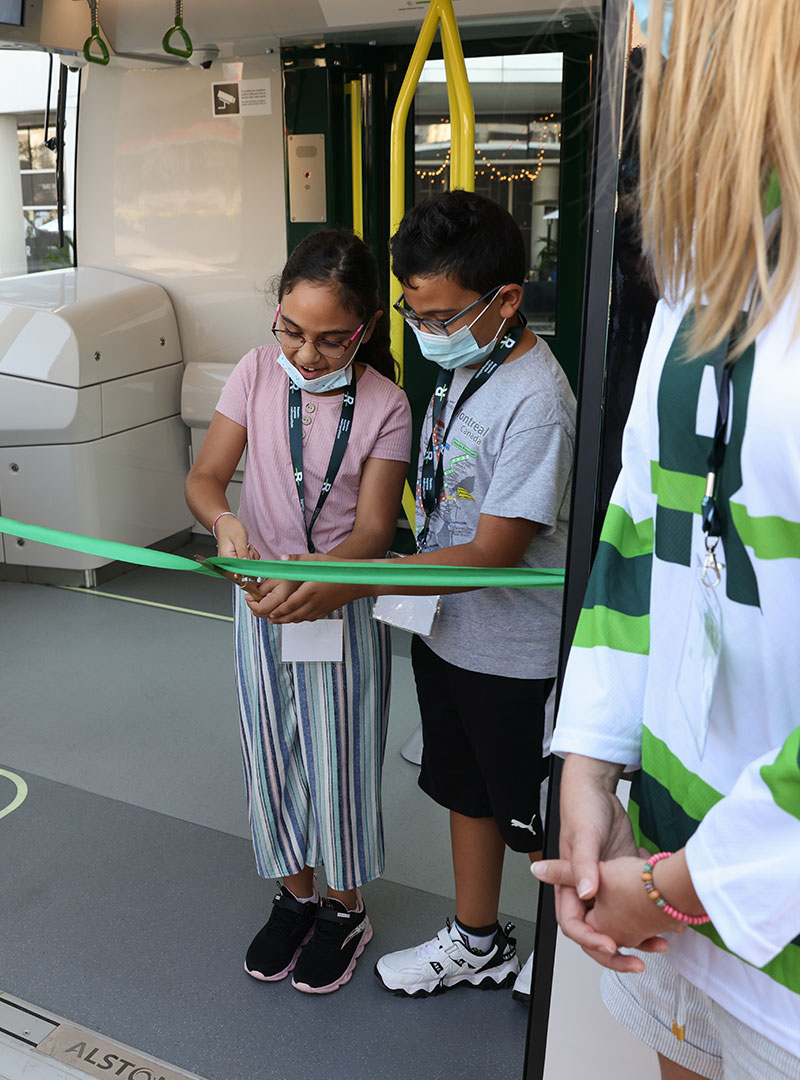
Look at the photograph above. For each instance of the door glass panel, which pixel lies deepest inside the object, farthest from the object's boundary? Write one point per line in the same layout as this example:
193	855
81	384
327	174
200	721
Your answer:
517	156
29	184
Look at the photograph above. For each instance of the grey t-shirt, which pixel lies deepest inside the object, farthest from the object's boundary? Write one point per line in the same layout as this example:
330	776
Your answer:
509	454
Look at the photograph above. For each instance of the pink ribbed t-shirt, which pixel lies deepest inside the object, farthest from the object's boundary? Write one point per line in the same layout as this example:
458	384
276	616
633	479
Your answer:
256	396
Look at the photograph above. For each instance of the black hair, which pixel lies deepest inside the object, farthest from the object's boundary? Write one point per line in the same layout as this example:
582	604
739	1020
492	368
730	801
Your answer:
339	259
464	236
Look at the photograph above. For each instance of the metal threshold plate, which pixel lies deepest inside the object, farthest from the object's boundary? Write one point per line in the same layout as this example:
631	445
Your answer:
37	1044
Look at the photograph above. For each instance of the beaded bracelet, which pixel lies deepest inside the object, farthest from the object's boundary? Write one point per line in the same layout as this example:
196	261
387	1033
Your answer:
225	513
658	899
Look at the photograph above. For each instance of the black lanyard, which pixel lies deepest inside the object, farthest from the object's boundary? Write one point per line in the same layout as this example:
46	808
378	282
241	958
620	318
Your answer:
712	522
337	454
431	477
712	525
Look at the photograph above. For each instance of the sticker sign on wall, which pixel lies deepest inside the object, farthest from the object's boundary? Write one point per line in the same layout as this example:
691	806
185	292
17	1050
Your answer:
248	97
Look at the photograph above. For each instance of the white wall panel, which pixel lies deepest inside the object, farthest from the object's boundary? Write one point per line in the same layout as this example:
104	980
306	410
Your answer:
128	487
169	193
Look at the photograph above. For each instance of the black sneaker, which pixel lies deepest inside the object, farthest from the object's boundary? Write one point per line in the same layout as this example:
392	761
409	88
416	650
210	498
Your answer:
329	959
274	950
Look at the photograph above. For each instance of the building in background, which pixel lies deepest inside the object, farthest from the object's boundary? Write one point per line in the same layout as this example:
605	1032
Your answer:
29	233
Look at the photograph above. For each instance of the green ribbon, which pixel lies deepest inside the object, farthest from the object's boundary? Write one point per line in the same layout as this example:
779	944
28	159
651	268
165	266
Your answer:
342	573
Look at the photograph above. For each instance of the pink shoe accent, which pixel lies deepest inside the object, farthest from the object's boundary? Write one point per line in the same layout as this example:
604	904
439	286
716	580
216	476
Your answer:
366	937
290	966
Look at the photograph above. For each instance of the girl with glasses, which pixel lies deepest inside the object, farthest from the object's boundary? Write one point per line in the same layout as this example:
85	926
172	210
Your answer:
328	437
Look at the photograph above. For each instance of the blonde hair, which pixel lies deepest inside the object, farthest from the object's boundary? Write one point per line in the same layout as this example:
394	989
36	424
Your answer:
717	118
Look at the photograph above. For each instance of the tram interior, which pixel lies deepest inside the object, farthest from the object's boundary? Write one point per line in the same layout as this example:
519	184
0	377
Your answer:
129	891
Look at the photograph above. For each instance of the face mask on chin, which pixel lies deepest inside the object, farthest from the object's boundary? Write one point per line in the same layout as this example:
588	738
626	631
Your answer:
334	380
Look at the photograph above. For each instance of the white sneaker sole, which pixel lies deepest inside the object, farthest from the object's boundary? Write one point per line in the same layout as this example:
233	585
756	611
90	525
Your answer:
495	978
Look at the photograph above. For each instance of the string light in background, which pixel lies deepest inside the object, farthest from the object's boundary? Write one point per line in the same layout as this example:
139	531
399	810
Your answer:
548	125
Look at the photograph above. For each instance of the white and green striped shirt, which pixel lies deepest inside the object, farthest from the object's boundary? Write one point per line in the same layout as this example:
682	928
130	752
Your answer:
736	807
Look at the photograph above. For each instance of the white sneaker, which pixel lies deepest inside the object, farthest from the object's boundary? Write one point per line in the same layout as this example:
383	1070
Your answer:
445	961
522	987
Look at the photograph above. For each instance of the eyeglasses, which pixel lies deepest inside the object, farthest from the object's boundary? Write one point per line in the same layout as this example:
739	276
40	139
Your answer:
438	326
332	350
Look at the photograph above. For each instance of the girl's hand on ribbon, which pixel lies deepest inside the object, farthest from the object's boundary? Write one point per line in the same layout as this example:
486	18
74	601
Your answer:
232	539
232	542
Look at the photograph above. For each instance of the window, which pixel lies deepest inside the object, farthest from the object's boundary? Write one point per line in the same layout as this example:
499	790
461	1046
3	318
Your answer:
23	106
517	156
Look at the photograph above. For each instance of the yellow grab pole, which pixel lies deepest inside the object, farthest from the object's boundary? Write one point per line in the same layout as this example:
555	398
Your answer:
462	166
353	88
462	148
397	162
453	105
462	130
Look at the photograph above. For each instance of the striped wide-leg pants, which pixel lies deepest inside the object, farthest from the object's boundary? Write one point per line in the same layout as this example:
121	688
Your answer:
313	739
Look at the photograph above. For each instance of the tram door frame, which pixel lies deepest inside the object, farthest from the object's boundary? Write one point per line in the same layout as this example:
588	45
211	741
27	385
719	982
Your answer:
585	511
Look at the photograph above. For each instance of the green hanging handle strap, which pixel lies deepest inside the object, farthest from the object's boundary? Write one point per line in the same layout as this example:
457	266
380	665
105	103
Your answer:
342	573
177	28
94	38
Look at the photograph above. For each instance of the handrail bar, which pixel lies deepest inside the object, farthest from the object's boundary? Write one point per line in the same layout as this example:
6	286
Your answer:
462	131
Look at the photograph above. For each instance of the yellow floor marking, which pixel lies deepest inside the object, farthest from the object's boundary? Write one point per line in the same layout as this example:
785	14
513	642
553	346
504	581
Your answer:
21	795
147	603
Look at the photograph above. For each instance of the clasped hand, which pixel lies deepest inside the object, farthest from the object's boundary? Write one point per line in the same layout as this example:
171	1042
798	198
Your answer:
601	903
299	601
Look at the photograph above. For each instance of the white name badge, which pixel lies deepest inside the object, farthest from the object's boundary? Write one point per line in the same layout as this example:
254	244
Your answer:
414	613
700	660
309	642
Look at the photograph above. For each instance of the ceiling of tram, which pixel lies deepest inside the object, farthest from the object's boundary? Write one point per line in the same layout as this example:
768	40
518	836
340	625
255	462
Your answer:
140	23
244	27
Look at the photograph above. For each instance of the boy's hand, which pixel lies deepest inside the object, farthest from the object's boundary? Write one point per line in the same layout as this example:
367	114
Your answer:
314	557
316	599
313	600
274	592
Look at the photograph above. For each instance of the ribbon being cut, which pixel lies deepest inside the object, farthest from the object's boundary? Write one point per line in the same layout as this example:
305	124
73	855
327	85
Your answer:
343	573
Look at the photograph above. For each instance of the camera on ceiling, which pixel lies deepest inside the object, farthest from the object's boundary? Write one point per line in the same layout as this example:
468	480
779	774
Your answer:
204	56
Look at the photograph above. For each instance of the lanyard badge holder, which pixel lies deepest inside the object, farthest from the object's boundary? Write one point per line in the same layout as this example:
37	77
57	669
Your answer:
418	613
703	643
323	640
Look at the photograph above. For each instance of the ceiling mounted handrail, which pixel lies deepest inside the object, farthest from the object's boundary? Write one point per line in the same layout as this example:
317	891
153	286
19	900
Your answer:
95	38
462	131
177	28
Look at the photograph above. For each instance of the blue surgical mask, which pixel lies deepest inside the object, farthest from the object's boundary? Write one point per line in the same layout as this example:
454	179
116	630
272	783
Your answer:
458	349
334	380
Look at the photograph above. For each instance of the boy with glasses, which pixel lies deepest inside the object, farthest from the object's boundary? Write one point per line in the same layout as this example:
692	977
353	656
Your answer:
493	490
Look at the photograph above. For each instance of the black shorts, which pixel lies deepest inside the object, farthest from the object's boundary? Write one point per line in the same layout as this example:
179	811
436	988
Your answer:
482	752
